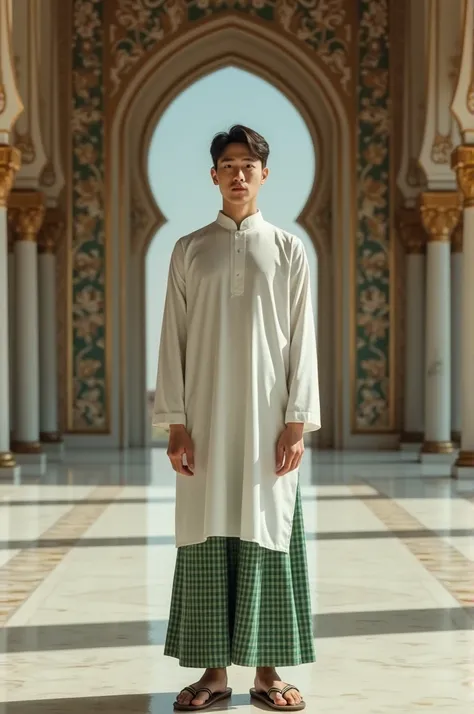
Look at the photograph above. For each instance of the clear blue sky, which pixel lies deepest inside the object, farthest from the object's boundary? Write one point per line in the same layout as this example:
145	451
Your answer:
179	165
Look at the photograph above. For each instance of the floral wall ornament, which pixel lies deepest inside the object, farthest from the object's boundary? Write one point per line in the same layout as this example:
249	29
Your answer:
89	335
373	370
139	25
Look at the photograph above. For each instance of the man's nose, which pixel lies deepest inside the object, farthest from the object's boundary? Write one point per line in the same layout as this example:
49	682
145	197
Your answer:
239	175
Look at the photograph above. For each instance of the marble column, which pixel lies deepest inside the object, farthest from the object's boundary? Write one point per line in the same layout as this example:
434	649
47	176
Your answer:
26	209
10	160
463	163
50	436
456	327
414	239
440	213
11	320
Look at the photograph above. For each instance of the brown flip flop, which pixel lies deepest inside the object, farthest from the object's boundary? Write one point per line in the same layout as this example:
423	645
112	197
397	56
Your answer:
213	698
266	699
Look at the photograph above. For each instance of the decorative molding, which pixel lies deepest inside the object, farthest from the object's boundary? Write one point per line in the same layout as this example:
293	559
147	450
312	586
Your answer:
138	27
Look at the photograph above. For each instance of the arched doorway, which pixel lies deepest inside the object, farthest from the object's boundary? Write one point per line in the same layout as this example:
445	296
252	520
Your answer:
178	170
135	216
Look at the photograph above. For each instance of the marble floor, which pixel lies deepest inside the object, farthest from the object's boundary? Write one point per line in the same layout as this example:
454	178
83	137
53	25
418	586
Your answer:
86	566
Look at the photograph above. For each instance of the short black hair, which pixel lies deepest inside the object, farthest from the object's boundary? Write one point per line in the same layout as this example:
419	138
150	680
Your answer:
239	134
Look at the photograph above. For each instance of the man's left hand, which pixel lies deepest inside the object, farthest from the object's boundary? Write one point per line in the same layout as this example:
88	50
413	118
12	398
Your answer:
290	449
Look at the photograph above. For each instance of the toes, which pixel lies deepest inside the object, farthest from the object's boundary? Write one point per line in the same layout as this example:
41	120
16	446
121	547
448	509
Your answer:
200	699
281	701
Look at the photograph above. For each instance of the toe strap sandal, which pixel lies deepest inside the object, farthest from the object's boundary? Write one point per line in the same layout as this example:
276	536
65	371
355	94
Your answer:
266	698
213	698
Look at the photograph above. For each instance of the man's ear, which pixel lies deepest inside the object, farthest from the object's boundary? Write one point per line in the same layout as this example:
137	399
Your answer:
265	173
215	180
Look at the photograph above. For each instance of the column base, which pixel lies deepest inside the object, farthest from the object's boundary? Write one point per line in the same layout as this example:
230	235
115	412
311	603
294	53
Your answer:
463	468
437	457
54	451
25	447
32	464
9	470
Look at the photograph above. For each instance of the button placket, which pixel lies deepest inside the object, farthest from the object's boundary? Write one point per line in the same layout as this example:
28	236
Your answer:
238	276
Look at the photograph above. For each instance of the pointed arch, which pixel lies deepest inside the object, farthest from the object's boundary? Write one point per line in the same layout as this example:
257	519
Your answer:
135	216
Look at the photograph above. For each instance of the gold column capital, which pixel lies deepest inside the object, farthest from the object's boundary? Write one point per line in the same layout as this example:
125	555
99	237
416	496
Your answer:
440	212
412	233
51	230
462	162
26	209
10	162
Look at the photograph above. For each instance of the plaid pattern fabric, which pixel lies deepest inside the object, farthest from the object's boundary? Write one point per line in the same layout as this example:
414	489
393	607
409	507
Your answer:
235	602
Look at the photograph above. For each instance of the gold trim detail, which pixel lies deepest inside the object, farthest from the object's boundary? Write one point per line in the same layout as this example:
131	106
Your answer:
465	458
462	162
7	460
10	162
440	212
51	231
26	210
26	447
437	447
412	437
51	437
412	232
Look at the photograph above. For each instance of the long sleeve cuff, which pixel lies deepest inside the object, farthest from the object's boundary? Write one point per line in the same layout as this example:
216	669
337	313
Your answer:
311	420
164	420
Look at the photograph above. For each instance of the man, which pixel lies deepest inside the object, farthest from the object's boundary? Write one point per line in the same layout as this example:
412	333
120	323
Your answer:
237	387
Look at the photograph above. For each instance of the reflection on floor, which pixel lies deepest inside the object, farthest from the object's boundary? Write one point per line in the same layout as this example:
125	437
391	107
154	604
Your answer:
86	565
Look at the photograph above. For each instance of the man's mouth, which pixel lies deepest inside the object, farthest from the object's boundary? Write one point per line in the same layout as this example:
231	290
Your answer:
239	188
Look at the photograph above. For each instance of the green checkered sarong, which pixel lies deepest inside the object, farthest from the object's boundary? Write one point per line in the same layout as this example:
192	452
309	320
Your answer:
236	602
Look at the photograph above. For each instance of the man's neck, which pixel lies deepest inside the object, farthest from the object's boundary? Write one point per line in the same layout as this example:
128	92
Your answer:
239	213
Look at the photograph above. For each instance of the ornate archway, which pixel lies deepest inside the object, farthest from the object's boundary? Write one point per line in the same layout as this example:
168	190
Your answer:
138	218
121	51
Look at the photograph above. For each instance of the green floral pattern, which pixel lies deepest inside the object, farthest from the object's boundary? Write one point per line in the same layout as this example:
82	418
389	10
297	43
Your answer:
88	254
372	363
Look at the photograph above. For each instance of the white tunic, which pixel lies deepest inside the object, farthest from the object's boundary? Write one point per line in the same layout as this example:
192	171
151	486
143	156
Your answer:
237	361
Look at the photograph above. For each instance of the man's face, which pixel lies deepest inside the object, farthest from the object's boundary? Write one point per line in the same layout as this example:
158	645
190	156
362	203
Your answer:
239	175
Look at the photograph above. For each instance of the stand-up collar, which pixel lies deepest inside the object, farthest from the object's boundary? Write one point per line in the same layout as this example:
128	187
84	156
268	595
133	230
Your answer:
252	222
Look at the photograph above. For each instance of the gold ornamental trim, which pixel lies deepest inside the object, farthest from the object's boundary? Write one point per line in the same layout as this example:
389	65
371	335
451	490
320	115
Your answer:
437	447
10	162
462	162
26	211
412	232
465	458
51	437
51	231
440	213
7	460
26	447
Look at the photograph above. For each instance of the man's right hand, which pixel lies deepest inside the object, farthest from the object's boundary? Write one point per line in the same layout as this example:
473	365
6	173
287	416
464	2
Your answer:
180	443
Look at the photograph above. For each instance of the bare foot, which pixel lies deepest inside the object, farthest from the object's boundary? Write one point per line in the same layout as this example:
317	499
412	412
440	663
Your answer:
213	679
266	678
